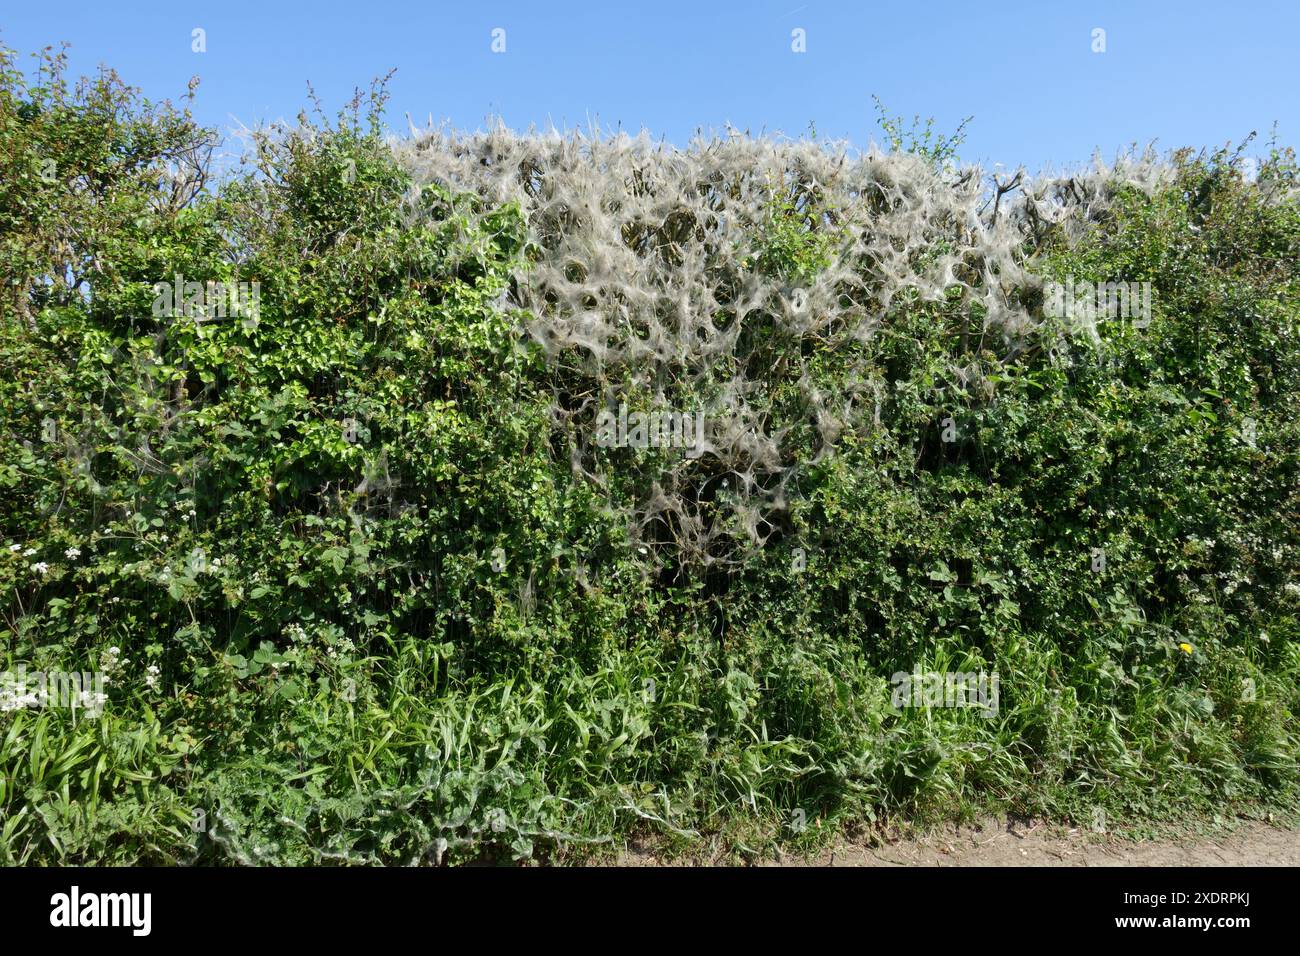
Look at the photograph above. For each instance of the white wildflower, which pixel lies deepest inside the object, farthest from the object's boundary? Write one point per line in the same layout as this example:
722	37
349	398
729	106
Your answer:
10	701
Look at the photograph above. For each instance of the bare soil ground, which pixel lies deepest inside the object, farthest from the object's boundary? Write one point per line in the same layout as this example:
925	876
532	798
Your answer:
1020	843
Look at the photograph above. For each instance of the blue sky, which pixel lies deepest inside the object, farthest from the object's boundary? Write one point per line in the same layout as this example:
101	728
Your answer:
1181	73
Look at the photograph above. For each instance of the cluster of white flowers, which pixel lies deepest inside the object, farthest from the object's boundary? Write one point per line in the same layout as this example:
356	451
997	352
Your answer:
110	662
343	644
40	567
10	700
72	554
152	676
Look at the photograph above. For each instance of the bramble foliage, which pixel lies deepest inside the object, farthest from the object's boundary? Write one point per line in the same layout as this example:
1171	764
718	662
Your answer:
402	609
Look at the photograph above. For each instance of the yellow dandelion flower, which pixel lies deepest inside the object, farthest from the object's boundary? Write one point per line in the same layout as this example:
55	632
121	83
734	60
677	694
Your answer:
1185	648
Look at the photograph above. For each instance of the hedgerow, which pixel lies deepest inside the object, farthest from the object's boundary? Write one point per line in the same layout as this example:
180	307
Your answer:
366	585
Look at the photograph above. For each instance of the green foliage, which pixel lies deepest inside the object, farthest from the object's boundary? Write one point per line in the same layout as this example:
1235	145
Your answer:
793	245
937	148
392	622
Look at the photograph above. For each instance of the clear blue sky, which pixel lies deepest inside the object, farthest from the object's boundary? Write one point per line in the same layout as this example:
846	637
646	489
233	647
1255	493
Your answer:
1182	72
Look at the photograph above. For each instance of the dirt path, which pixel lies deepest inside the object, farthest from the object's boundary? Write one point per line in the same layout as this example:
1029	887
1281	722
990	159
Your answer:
998	843
1003	843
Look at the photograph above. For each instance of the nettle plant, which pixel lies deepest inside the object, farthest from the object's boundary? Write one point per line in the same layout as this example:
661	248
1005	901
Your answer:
765	284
